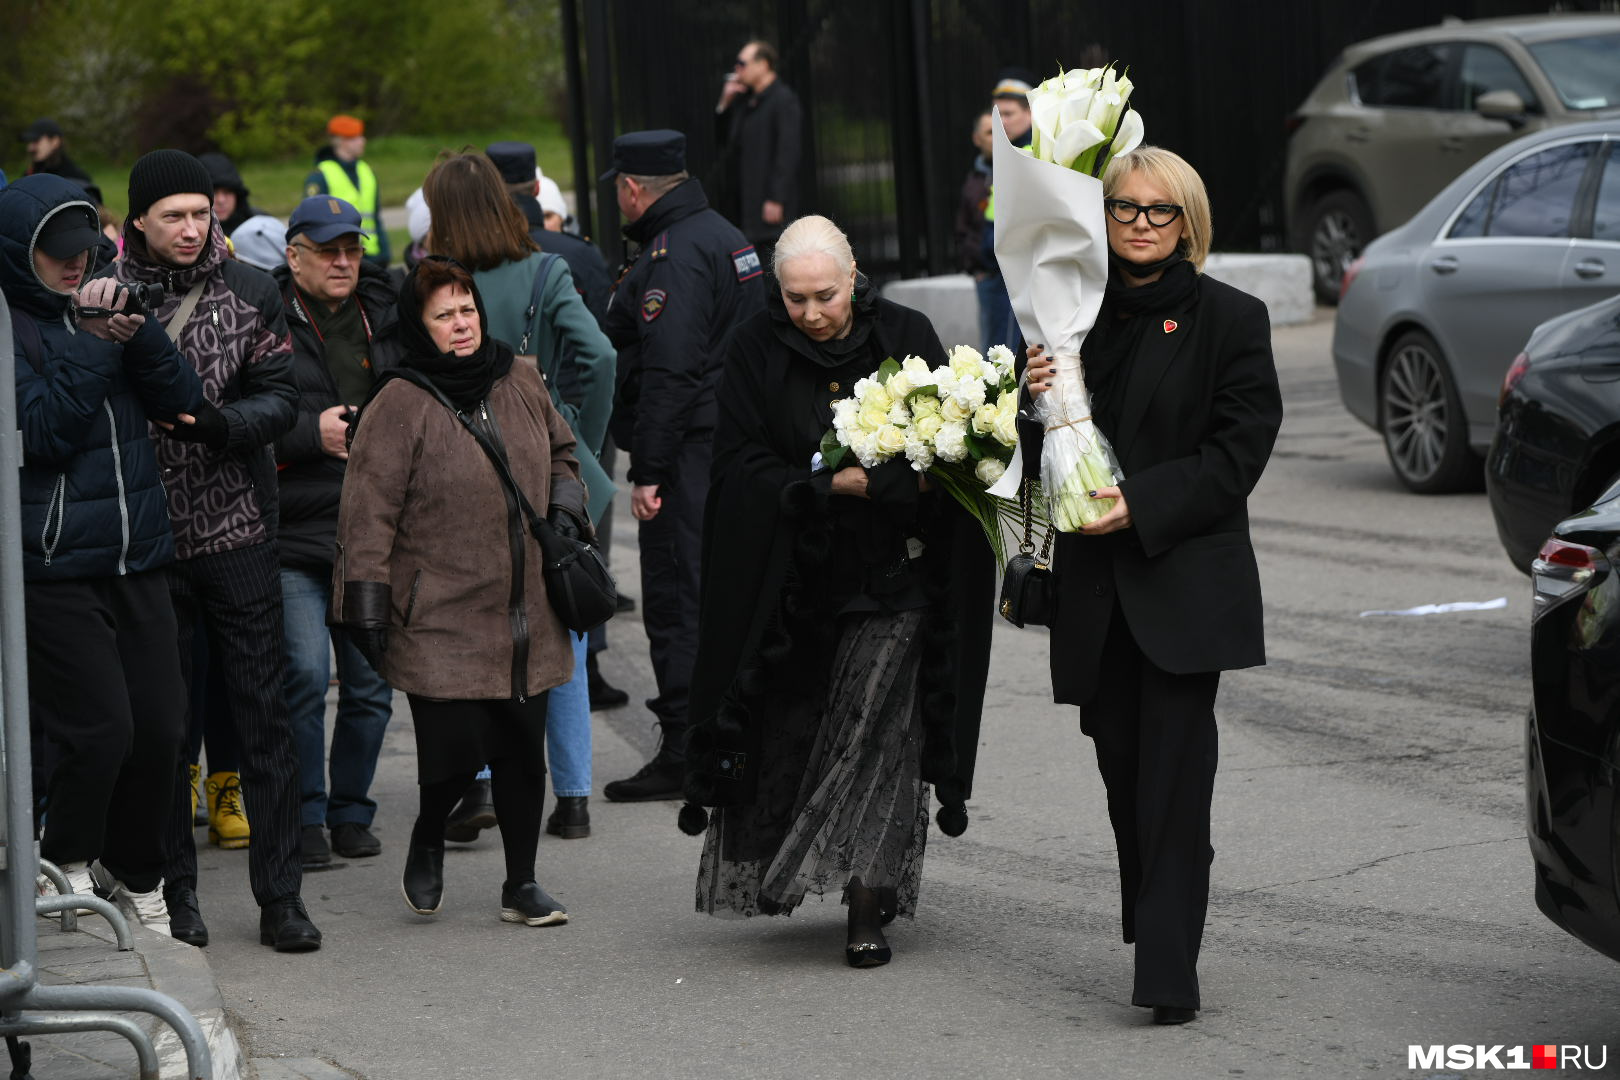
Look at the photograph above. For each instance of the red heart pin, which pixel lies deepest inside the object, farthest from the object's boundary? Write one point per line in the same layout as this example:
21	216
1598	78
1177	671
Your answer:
1169	325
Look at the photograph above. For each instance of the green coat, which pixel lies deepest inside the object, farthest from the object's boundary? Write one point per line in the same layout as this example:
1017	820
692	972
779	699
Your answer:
562	321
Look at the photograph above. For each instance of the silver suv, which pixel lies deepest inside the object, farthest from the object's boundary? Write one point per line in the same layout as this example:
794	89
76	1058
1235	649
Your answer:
1397	118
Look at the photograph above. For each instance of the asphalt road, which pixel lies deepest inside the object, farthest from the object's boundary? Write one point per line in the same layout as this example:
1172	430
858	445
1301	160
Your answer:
1372	886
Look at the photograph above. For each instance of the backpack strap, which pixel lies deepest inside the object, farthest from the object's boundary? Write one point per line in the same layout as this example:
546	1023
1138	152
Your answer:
547	260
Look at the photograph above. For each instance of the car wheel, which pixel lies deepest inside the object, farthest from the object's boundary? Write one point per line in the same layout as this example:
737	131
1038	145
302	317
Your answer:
1421	417
1339	227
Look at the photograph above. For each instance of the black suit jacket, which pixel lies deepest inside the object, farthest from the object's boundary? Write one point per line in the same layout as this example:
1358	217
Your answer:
1200	413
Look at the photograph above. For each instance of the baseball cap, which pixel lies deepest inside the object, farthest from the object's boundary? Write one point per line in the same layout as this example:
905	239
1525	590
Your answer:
40	128
323	218
68	231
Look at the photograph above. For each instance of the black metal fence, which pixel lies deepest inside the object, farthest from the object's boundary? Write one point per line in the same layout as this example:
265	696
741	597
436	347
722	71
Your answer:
891	89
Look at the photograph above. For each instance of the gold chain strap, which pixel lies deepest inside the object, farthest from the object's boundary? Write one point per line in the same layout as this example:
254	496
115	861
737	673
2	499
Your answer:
1027	545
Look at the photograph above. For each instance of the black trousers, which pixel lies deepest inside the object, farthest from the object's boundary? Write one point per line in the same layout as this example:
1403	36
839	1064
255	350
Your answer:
671	548
1156	745
105	686
237	595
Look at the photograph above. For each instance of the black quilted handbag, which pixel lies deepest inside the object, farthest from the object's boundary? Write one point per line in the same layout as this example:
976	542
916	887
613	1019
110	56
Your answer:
1028	591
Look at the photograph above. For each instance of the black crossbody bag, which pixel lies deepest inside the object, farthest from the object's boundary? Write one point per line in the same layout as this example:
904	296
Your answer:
1028	591
578	583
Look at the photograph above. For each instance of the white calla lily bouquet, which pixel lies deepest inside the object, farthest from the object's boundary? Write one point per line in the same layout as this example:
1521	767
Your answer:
1052	245
955	422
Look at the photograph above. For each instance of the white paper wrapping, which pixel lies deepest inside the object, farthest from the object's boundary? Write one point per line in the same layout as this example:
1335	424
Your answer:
1052	246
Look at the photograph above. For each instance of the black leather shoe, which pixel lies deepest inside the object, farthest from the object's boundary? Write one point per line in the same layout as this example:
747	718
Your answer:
185	917
475	811
1162	1014
660	778
528	903
423	880
353	840
286	925
571	820
312	848
604	695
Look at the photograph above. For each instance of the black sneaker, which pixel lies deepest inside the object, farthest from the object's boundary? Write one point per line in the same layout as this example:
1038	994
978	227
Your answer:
185	917
353	840
659	779
529	904
312	848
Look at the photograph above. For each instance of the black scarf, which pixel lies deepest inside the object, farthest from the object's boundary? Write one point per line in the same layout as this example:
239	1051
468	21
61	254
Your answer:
465	380
1121	323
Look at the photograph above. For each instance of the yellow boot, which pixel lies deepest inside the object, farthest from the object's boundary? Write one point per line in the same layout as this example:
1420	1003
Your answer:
227	820
194	772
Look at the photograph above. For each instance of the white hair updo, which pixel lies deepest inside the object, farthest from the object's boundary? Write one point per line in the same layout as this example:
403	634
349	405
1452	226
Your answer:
813	235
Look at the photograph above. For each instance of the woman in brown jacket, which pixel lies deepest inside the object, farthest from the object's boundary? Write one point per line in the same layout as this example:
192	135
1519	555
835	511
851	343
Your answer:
438	578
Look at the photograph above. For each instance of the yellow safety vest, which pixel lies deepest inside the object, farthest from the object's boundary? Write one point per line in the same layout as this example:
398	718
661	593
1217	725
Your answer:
364	199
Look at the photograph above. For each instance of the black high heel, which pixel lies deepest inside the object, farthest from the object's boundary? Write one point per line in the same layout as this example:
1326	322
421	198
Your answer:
866	946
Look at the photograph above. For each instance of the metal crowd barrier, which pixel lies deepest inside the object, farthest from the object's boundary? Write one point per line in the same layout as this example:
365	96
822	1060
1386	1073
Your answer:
26	1006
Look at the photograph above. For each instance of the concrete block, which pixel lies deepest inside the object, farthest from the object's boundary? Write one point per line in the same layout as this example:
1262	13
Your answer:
950	302
1283	282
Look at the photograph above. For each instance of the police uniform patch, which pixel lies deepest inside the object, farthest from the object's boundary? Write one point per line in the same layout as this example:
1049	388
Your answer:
747	263
652	304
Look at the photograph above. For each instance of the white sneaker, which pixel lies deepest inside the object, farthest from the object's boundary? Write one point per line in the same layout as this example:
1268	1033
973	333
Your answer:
147	908
81	882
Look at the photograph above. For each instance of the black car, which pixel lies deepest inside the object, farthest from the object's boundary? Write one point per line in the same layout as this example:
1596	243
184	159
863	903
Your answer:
1557	442
1572	744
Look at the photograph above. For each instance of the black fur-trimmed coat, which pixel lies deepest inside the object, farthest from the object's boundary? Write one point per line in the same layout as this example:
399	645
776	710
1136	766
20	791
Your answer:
774	575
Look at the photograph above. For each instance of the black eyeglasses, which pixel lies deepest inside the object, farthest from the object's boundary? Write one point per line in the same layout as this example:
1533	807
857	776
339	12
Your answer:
1159	214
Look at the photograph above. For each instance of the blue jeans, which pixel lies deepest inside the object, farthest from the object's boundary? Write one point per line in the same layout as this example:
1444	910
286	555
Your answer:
996	323
365	702
568	730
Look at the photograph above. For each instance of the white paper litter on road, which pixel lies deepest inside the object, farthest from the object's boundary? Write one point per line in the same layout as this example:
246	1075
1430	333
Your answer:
1446	609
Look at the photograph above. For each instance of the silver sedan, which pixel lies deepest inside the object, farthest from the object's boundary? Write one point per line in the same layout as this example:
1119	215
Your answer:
1432	314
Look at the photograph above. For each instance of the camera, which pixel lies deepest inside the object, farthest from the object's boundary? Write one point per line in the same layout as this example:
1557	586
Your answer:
141	298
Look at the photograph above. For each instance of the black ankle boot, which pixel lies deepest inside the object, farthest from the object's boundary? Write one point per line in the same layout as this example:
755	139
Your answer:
423	881
604	695
571	820
866	946
475	811
660	778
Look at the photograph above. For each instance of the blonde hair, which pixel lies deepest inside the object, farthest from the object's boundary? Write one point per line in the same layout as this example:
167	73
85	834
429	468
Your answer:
1171	172
813	235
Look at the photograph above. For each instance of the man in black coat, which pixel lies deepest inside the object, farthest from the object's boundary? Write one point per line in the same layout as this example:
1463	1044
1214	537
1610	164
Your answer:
340	309
759	127
43	140
694	278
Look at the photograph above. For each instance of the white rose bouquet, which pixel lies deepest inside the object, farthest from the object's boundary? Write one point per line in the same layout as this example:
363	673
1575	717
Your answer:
955	422
1052	244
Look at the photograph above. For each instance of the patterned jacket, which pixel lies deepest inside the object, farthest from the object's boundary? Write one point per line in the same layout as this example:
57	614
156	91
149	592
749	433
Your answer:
237	340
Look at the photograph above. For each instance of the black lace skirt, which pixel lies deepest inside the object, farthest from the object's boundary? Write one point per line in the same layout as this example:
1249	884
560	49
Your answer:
840	793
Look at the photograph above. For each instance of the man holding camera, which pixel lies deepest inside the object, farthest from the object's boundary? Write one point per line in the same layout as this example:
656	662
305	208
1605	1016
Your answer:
341	311
220	474
103	663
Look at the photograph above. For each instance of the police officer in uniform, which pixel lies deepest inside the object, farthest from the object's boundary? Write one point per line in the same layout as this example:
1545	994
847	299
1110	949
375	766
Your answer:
340	171
693	278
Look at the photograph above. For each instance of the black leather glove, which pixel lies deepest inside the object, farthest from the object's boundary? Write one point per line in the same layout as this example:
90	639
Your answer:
210	429
565	524
372	643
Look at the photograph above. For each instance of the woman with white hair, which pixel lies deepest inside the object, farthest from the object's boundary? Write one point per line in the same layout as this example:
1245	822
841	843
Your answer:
845	628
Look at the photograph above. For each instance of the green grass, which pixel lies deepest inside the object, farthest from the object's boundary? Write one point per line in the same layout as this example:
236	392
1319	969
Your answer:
400	162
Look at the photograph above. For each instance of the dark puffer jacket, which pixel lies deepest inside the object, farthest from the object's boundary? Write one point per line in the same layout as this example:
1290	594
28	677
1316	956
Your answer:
311	480
92	501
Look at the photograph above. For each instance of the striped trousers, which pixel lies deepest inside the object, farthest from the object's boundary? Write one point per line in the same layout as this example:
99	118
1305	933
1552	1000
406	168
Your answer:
237	596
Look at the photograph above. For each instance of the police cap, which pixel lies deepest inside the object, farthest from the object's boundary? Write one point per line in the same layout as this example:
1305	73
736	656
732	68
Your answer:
514	160
648	153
